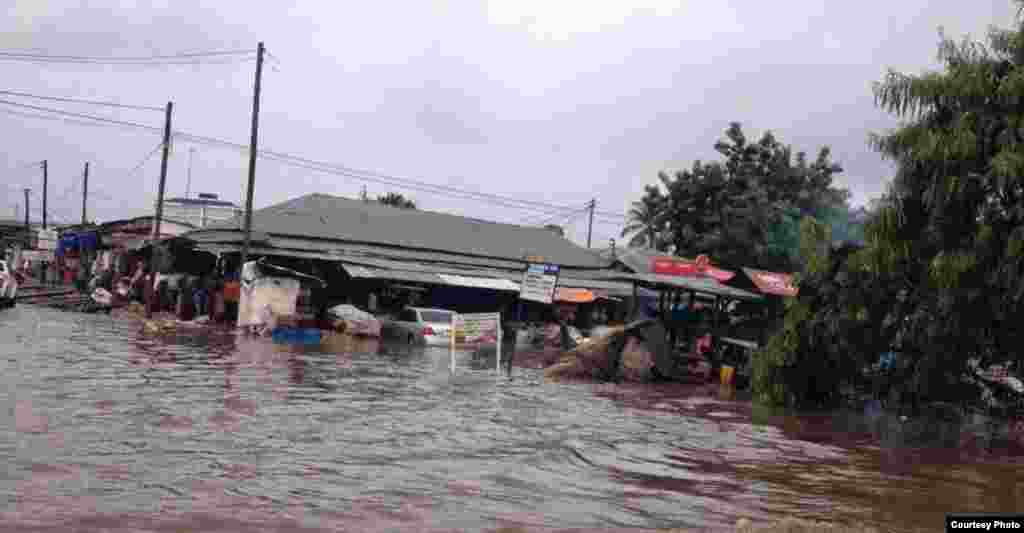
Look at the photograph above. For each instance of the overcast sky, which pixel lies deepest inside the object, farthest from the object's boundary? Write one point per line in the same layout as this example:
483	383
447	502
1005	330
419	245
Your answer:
553	101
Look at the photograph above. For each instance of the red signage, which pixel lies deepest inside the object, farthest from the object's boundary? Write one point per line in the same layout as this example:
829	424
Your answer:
674	266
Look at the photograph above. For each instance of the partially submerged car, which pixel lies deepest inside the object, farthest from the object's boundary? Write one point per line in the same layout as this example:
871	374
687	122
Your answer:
420	325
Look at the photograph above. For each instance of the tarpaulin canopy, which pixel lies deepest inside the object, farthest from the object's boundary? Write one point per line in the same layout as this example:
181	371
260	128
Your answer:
772	282
576	296
700	267
685	283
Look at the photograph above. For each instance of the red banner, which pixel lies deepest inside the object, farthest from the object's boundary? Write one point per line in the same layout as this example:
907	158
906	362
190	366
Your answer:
773	282
674	266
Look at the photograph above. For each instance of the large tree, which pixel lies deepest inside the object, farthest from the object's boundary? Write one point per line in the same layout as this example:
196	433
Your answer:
943	268
744	209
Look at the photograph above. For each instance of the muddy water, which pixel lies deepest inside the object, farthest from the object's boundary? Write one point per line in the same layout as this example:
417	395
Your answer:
107	428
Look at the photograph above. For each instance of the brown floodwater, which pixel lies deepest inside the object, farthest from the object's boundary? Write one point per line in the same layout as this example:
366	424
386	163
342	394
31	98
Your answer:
108	428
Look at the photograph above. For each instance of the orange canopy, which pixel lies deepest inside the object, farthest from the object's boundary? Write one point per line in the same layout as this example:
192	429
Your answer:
576	296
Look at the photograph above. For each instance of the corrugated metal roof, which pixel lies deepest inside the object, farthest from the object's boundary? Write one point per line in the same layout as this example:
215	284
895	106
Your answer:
331	217
573	278
231	241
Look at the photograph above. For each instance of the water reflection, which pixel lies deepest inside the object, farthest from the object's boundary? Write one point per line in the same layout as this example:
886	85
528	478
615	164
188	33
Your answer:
202	429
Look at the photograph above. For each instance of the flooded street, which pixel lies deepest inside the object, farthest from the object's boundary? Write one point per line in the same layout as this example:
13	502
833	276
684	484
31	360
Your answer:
108	428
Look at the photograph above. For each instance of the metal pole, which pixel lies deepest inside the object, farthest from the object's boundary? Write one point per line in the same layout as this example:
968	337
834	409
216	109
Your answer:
590	227
45	188
85	189
252	155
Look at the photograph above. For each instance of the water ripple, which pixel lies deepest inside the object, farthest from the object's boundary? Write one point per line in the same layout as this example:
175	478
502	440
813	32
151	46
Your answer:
107	428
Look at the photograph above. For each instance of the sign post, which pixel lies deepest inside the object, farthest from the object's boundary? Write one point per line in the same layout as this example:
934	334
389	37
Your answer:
539	283
497	348
451	342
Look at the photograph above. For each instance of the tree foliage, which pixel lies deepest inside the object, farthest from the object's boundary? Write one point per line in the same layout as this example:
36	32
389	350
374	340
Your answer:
394	199
942	270
743	210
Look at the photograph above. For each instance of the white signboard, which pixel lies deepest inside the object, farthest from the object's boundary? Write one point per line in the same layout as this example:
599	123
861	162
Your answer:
47	239
539	282
477	328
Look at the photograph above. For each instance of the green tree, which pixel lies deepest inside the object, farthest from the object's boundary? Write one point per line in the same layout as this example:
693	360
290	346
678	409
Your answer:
647	220
745	209
394	199
942	270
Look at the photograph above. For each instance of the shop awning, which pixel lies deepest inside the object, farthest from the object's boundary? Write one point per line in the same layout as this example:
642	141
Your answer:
432	278
480	283
772	282
576	296
699	285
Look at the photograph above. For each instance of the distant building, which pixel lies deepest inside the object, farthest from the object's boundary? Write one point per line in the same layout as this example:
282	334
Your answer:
200	212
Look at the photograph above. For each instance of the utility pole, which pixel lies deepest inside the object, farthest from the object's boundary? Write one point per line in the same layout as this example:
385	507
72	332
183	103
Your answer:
159	206
163	172
188	181
85	189
252	155
590	227
28	232
45	188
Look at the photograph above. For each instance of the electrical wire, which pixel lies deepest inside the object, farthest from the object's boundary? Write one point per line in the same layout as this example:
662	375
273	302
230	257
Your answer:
11	54
374	177
526	205
193	62
50	209
533	221
60	119
80	115
76	101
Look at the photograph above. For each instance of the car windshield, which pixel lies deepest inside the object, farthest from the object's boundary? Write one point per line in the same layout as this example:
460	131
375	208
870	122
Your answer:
436	317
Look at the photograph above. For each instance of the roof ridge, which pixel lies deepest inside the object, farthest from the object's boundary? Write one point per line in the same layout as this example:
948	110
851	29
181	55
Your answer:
378	205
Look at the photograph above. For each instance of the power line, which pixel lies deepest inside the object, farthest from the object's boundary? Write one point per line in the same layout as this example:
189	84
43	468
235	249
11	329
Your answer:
61	119
79	115
329	168
193	62
533	221
10	54
76	101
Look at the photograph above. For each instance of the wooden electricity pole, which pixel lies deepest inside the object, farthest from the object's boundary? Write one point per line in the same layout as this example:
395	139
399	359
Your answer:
85	189
45	188
590	227
148	294
28	231
163	172
252	155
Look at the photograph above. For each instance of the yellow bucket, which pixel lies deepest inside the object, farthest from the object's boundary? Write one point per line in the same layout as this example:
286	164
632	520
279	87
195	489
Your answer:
726	374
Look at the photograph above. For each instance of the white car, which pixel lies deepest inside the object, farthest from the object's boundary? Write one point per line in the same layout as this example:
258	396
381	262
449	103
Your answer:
418	325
